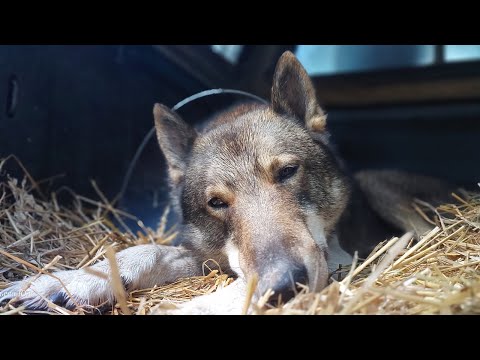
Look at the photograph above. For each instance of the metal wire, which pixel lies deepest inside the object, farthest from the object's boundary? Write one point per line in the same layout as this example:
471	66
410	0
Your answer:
178	106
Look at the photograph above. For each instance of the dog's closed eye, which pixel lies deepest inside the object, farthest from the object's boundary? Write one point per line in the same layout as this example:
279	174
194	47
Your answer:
287	172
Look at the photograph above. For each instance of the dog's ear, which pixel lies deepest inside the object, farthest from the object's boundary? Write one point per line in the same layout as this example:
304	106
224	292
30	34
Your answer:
293	94
176	139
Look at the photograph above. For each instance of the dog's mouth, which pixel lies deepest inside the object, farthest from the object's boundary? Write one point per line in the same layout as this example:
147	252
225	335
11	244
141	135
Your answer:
277	300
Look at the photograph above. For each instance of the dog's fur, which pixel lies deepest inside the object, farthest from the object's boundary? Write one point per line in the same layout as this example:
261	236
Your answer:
260	191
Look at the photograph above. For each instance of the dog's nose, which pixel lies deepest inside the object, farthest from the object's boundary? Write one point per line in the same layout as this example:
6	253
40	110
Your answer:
286	286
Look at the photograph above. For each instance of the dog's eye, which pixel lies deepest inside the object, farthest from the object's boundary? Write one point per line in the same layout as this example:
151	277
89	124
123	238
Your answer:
287	172
216	203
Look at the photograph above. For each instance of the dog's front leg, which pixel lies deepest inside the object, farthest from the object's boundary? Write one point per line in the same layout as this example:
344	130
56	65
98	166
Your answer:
140	266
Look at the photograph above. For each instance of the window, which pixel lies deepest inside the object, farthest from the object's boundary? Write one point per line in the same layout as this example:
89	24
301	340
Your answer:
337	59
231	53
455	53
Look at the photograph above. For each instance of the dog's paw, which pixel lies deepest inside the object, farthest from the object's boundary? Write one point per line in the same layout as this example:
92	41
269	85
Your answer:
224	301
68	289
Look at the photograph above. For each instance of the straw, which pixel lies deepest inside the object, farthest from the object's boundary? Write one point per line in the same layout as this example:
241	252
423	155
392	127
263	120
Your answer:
439	274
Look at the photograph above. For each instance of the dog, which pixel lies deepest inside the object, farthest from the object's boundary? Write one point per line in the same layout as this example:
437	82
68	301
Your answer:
261	191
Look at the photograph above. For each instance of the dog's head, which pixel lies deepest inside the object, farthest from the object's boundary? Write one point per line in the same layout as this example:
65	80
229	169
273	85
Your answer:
259	190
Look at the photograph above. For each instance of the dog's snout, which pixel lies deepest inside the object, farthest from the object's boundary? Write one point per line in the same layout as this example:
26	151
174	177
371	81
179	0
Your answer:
286	286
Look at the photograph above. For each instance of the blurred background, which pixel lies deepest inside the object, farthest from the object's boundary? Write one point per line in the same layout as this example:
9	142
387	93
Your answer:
80	112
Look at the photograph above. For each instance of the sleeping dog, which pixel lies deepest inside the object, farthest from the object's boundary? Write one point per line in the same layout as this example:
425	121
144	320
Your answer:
261	191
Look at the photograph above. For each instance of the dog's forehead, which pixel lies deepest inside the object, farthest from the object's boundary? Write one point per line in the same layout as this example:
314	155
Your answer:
255	133
243	147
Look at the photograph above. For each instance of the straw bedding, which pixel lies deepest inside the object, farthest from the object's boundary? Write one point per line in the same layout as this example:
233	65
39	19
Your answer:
440	274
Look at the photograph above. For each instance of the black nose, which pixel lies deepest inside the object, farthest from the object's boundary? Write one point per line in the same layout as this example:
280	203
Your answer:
286	286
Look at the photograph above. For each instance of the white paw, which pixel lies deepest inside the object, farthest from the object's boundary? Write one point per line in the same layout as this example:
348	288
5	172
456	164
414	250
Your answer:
76	288
226	301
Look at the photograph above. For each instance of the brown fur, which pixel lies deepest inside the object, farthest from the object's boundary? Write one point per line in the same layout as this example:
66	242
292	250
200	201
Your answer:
237	159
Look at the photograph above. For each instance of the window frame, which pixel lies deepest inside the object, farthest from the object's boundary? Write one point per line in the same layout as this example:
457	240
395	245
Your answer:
451	82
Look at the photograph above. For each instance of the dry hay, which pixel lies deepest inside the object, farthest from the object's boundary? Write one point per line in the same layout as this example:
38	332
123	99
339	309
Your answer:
438	275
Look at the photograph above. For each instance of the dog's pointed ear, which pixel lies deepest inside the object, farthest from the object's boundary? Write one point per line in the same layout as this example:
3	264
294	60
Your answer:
176	139
293	94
